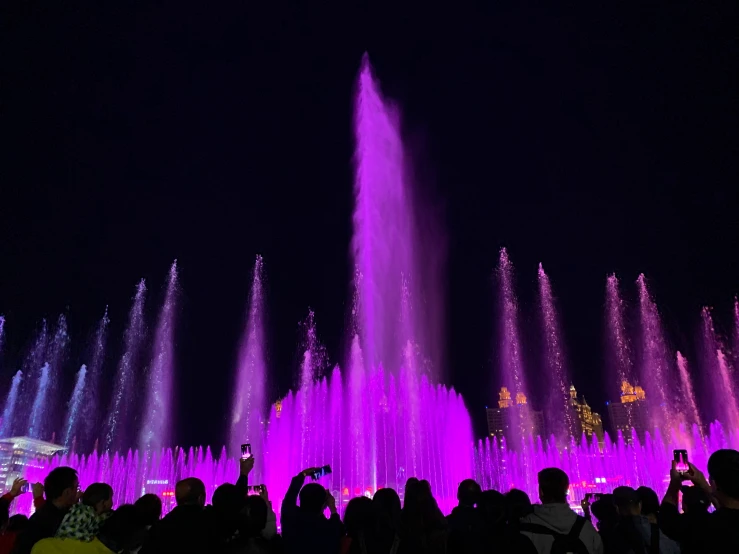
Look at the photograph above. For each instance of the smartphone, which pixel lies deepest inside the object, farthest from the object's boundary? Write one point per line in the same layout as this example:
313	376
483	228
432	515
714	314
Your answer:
245	451
593	496
254	490
25	487
321	472
681	461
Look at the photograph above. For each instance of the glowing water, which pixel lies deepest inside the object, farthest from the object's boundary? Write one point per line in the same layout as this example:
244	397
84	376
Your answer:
621	367
558	409
686	391
157	429
249	402
6	426
91	419
719	375
511	362
38	409
655	372
74	406
116	424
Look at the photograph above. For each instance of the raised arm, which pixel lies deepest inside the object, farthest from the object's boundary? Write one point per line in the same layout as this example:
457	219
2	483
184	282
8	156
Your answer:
245	467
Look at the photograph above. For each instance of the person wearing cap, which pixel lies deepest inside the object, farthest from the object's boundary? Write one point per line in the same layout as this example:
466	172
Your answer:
714	532
634	533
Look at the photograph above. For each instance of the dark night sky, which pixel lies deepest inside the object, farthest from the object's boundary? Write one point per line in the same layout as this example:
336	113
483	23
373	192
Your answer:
595	139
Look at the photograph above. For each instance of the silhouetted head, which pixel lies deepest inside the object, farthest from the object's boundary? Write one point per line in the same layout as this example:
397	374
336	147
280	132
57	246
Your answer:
605	512
61	486
553	486
228	500
491	506
386	509
695	500
99	496
468	492
121	529
518	504
358	517
411	490
649	501
313	498
190	492
255	516
17	523
627	501
150	508
723	472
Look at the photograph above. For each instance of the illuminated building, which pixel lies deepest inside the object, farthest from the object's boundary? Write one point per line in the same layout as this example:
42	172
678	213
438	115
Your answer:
587	420
278	408
508	414
630	413
17	453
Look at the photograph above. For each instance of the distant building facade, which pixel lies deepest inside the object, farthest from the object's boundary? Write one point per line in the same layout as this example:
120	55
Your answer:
17	453
586	420
630	413
509	413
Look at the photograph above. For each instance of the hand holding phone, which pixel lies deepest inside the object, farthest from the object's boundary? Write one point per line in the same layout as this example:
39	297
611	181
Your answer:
681	462
255	490
320	472
245	451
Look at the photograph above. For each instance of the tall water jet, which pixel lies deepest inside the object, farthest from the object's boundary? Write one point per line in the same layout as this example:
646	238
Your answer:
157	428
91	413
38	409
736	331
2	333
383	243
6	425
655	365
511	362
560	410
724	394
44	404
74	406
249	405
687	394
115	427
311	365
619	350
32	364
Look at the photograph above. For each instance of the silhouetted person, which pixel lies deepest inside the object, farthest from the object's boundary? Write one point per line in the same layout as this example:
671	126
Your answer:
228	502
358	525
114	536
187	528
424	526
61	488
251	539
83	520
554	520
10	527
604	510
386	513
464	523
305	529
149	508
635	533
696	532
518	505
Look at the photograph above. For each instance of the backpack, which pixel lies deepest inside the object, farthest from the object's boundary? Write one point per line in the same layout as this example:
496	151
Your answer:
563	544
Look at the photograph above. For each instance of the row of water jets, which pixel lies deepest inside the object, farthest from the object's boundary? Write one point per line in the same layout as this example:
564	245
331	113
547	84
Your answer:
33	406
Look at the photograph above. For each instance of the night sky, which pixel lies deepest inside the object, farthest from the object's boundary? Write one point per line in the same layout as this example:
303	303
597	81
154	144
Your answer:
593	140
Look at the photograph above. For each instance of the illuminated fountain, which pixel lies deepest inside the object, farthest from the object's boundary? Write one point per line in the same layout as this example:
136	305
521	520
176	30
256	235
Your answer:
380	415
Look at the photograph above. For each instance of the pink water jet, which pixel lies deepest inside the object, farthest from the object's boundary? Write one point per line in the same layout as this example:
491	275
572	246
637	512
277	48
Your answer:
619	349
249	404
687	394
156	431
558	410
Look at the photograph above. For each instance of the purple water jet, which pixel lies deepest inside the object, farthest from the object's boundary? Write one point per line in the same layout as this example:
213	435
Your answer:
157	429
686	392
74	406
655	371
249	402
6	425
511	362
559	410
117	420
719	372
2	333
91	413
619	349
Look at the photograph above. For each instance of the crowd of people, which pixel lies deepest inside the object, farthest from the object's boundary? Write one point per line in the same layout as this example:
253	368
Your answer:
698	514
